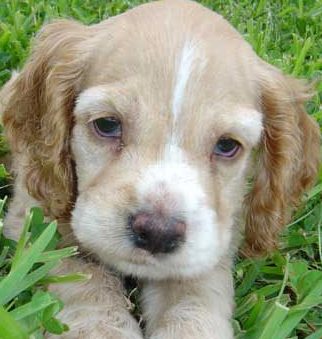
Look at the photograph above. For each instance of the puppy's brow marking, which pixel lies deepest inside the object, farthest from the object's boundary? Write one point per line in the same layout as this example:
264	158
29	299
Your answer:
183	74
92	99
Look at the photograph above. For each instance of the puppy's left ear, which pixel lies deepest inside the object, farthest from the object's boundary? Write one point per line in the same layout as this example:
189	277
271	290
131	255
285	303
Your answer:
288	158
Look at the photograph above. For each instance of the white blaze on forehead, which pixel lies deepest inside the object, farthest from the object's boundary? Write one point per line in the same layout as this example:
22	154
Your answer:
188	62
183	73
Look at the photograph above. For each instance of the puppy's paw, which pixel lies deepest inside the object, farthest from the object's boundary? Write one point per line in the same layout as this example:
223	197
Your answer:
96	308
211	329
98	325
182	334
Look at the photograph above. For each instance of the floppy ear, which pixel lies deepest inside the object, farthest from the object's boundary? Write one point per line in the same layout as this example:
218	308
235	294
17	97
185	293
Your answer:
36	113
288	159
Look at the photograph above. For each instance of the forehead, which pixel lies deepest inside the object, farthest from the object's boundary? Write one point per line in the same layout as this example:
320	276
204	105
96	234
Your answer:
154	42
174	58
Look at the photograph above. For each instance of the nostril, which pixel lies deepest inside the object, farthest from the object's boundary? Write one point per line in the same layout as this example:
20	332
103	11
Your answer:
140	223
179	228
141	240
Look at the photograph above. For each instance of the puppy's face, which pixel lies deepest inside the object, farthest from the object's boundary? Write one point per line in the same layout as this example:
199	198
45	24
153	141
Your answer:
160	109
165	124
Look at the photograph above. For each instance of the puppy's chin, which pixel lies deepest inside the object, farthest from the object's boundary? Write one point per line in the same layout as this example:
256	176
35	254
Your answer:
163	269
158	267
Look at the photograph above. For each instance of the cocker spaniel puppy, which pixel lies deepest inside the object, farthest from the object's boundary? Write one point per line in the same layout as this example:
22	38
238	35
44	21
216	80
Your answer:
138	134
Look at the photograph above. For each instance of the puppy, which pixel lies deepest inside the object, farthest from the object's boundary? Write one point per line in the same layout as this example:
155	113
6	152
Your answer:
138	135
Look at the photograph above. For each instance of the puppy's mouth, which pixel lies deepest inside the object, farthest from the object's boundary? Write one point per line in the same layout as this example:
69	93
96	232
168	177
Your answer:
159	266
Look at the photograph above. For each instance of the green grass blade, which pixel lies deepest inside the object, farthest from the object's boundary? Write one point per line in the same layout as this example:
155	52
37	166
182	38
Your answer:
311	299
319	225
290	323
248	279
58	254
268	290
313	192
23	239
2	204
9	327
34	306
285	278
316	335
301	57
68	278
255	312
29	280
247	304
7	285
278	314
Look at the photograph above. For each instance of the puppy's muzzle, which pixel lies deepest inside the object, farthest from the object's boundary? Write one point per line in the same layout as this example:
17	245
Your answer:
156	233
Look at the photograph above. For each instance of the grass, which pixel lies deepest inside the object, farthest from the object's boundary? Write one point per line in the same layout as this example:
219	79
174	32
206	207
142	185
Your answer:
279	296
26	307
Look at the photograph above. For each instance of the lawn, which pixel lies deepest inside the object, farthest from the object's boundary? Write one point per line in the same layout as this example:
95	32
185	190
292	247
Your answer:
279	296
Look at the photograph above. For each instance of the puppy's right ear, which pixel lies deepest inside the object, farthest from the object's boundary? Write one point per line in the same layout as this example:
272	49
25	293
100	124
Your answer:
37	113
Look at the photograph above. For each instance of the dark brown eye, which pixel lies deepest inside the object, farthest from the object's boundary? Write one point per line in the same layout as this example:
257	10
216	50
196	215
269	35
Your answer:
226	147
108	127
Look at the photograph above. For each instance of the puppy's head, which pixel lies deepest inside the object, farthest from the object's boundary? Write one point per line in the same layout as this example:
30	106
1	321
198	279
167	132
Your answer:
146	127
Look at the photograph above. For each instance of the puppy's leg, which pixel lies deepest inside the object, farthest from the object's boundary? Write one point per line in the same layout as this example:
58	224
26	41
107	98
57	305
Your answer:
97	308
190	309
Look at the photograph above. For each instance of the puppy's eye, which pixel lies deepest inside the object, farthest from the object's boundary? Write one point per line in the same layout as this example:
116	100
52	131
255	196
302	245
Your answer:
108	127
227	147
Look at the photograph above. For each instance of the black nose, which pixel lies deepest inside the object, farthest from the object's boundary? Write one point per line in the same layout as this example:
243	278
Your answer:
156	233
